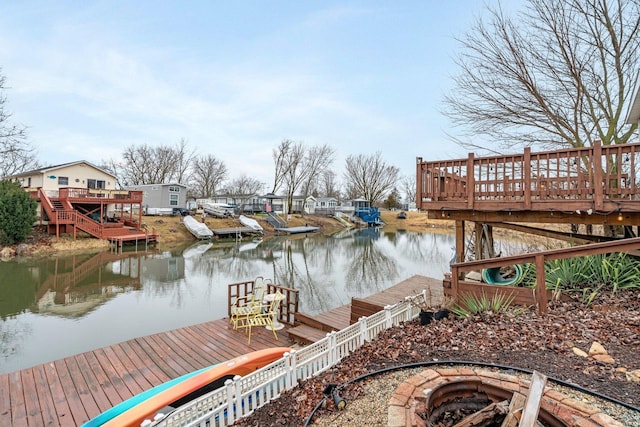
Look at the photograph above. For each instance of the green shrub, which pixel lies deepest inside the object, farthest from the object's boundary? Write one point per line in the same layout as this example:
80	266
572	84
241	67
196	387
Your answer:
589	275
471	304
17	213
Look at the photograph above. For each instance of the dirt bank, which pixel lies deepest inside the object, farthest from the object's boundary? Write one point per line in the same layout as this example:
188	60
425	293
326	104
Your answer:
172	232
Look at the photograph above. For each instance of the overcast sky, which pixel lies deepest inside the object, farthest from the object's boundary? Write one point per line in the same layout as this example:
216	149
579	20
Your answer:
234	78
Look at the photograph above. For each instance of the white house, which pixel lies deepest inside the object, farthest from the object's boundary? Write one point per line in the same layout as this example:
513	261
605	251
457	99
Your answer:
279	205
326	205
80	174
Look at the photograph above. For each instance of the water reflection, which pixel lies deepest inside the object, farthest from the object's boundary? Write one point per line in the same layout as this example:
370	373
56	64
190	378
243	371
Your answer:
104	298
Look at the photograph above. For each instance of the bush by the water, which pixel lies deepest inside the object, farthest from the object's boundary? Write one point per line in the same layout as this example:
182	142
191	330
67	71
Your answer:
17	213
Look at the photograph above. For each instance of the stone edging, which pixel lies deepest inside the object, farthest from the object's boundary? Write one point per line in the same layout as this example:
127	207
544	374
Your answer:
429	386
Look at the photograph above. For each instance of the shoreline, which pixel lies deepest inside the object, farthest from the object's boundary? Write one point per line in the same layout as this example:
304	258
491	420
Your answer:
171	232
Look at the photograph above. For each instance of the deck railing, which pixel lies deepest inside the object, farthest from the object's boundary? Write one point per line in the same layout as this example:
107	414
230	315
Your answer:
538	294
601	178
110	196
243	395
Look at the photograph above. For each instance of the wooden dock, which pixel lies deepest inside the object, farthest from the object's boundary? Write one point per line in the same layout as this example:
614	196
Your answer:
234	231
70	391
315	327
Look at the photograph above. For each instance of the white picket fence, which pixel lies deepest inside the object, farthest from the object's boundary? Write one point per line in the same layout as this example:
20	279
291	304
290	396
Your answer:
243	395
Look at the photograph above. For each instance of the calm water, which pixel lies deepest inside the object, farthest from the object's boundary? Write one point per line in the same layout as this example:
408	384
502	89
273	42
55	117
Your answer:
61	306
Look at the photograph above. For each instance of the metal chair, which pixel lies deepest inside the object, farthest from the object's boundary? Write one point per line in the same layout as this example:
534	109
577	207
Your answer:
250	303
263	317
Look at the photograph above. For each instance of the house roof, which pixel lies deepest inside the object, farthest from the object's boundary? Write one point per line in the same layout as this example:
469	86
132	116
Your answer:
47	169
154	185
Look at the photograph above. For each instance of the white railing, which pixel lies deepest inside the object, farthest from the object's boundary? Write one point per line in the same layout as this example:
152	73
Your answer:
242	395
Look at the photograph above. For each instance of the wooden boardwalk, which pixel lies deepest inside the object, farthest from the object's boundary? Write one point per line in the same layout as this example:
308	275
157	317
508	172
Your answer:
70	391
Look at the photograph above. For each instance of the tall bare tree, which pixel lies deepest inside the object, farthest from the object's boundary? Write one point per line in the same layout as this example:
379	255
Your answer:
16	153
327	185
208	175
183	159
317	160
560	74
145	164
369	177
298	167
280	155
241	189
408	185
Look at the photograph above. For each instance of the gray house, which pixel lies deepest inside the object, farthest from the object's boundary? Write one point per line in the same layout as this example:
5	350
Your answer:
160	199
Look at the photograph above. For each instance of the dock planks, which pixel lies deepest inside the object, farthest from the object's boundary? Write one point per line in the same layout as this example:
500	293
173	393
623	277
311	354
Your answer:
70	391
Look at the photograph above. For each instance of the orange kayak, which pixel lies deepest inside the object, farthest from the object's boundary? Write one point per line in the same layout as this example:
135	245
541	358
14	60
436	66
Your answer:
197	385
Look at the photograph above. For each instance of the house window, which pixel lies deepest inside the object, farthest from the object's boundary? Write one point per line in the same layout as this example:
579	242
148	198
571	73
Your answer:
173	189
173	199
63	180
95	184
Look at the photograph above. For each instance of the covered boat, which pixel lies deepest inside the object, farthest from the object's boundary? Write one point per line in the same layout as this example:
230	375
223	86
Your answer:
250	222
198	229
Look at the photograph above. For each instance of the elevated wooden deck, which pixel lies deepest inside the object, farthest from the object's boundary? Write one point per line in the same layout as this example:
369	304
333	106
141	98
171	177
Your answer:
70	391
589	185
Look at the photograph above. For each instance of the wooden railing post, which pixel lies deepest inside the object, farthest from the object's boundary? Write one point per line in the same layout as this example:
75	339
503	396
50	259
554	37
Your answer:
526	178
541	285
419	178
598	174
471	182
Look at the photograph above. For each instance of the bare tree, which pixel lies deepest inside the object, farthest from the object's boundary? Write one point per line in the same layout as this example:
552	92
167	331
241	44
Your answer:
208	174
298	168
317	161
16	153
242	189
145	164
559	75
369	177
183	159
408	185
327	185
280	155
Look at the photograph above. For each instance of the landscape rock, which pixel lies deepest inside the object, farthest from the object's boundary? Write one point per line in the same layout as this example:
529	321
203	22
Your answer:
597	348
633	376
604	358
7	252
579	352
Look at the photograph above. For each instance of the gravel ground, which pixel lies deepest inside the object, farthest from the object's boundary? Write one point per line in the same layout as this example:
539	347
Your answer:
528	341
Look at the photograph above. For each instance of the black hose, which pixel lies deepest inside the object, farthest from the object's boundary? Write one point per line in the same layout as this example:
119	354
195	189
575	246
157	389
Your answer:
465	362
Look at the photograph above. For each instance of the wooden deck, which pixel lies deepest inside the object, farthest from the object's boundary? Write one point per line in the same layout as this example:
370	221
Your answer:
70	391
315	327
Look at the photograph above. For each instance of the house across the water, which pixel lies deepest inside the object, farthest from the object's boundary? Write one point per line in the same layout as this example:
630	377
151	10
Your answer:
80	196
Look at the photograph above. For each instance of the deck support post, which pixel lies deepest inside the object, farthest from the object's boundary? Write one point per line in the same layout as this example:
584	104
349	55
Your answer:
459	250
541	288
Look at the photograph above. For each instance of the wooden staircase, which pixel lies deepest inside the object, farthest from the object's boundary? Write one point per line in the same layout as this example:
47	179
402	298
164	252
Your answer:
61	212
312	328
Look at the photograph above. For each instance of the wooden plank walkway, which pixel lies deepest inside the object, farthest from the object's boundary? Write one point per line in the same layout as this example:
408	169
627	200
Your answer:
70	391
315	327
232	231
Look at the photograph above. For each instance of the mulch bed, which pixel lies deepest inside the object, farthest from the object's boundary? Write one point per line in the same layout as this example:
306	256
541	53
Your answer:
527	340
